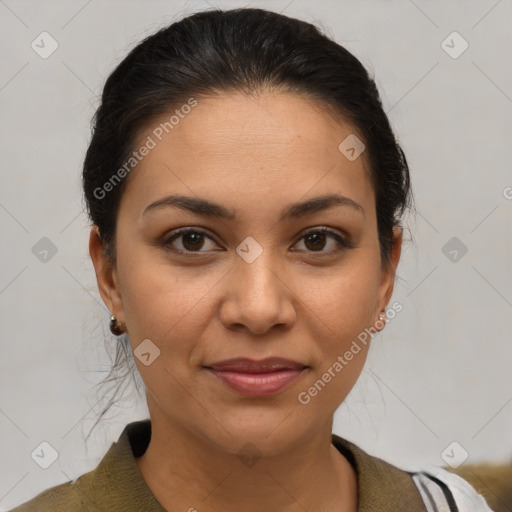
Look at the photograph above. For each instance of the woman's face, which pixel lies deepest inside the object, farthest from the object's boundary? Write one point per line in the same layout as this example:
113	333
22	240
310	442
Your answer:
252	285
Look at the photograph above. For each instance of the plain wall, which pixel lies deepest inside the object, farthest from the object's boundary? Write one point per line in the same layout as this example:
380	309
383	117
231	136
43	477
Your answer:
441	369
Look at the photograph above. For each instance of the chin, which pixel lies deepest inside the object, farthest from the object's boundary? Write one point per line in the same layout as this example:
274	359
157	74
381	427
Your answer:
268	433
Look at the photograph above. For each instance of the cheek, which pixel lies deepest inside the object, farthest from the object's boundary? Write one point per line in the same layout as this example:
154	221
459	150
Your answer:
168	308
343	301
340	342
338	308
159	302
171	306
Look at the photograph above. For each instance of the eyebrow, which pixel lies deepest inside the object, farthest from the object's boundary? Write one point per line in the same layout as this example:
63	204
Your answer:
294	210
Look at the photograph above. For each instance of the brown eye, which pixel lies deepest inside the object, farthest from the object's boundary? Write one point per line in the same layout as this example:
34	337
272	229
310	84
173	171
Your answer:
315	240
192	240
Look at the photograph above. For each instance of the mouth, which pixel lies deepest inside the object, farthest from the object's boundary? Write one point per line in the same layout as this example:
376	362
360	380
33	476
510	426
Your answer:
257	378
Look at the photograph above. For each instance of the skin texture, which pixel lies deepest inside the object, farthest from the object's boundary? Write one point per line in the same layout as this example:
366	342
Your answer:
255	155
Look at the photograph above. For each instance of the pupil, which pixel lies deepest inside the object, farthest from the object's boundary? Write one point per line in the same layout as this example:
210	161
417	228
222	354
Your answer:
318	239
195	237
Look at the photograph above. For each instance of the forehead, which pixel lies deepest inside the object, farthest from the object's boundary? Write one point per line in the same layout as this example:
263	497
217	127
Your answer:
247	147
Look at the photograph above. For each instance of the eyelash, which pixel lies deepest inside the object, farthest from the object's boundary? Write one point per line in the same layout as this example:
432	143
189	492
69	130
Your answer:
343	243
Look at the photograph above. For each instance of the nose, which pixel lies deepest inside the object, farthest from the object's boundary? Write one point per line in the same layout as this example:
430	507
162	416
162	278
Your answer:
258	297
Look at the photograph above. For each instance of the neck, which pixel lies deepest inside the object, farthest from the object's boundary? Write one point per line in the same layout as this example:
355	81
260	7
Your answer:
188	472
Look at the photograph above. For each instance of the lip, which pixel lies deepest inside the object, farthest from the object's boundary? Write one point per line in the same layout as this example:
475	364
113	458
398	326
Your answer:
246	365
257	378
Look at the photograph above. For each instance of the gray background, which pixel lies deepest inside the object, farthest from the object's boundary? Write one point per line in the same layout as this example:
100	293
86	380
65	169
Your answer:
438	373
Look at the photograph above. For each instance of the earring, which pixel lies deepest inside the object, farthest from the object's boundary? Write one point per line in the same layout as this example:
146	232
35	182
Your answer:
381	320
114	328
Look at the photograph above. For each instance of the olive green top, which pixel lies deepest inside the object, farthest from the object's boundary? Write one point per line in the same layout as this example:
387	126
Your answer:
116	484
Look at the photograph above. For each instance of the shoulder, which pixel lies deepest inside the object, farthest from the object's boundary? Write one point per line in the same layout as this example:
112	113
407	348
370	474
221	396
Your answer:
115	484
385	487
66	497
382	486
493	481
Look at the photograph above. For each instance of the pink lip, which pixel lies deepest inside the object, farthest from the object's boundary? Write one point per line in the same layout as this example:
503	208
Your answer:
257	384
257	378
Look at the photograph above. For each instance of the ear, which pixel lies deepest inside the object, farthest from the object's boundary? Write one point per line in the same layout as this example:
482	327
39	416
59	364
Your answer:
106	275
388	274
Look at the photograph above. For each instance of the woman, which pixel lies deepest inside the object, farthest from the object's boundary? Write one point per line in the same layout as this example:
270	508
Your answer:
245	190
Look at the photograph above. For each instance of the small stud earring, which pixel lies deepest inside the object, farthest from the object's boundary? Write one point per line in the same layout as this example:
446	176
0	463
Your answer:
114	328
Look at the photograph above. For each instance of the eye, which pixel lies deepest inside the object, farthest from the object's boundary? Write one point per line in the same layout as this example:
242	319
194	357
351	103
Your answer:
316	239
191	240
